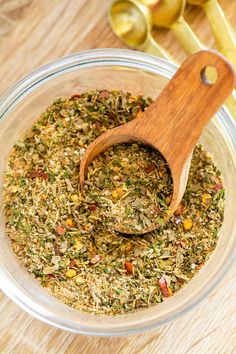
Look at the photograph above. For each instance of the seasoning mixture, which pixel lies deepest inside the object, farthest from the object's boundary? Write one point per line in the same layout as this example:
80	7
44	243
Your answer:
68	242
132	186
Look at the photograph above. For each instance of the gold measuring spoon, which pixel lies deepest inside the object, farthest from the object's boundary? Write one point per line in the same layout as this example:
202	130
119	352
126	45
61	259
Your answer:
173	123
131	22
221	29
169	14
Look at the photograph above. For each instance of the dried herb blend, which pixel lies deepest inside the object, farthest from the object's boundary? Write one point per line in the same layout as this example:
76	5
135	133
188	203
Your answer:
132	186
68	242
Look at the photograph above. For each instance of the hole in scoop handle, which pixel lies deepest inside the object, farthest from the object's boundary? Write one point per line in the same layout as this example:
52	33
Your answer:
174	122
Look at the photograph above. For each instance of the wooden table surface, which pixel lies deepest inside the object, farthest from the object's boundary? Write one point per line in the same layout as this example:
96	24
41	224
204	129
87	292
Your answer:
40	32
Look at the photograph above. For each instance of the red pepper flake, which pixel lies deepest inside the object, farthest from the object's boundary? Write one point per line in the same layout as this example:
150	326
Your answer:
96	258
129	267
51	276
218	187
180	280
166	292
73	263
76	95
180	209
199	266
60	230
38	174
93	207
104	94
150	168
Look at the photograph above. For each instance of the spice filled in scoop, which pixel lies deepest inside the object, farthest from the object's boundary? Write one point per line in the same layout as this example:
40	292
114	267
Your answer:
173	123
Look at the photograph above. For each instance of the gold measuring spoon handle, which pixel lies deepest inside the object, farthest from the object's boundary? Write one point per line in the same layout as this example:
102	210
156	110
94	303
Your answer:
222	31
186	36
225	40
231	104
152	47
192	44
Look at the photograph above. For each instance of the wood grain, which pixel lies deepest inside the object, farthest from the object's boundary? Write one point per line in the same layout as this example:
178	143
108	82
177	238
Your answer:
11	11
50	29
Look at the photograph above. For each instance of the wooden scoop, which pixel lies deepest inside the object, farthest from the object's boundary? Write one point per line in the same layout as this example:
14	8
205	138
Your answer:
173	123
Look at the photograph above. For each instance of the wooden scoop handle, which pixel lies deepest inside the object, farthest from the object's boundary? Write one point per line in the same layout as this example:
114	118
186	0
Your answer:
173	123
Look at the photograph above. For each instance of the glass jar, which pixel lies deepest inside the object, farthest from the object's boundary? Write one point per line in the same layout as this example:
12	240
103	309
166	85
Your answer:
137	73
